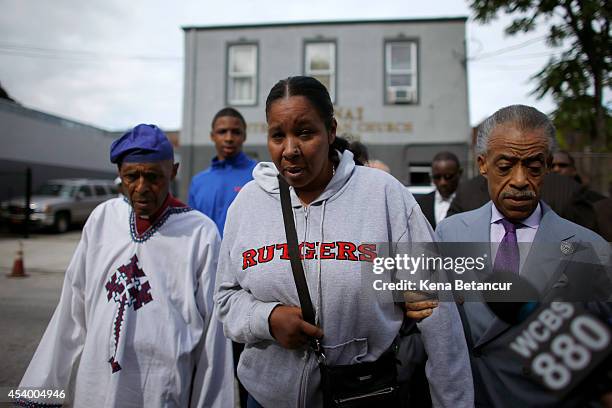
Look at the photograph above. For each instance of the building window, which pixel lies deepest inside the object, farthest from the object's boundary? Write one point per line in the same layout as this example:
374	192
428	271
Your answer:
242	74
320	63
401	72
420	174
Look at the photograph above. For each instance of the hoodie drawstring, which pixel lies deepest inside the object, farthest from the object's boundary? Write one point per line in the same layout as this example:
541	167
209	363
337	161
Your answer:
319	312
317	308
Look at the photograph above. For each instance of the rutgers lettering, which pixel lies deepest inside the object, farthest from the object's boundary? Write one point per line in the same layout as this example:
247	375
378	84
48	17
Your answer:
339	250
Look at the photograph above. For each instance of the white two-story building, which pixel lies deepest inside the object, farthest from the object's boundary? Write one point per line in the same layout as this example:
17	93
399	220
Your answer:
399	86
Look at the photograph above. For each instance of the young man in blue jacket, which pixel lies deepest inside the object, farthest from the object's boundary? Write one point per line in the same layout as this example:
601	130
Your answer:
213	190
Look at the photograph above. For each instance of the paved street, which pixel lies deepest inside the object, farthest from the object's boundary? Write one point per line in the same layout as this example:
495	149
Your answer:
28	303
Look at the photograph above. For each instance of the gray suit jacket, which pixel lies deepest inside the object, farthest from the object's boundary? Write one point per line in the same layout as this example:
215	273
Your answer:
499	379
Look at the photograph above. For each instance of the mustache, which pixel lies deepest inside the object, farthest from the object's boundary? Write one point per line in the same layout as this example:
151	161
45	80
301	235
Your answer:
141	198
519	195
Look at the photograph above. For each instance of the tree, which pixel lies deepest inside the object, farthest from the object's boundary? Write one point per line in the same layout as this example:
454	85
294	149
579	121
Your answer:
580	72
574	119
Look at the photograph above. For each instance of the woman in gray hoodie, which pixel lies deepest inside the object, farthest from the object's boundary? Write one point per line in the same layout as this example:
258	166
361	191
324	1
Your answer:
340	209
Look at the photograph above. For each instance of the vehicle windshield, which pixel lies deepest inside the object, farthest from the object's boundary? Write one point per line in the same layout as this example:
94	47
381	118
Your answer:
57	190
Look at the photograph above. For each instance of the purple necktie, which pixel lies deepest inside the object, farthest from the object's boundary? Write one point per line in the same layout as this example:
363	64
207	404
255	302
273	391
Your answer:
508	257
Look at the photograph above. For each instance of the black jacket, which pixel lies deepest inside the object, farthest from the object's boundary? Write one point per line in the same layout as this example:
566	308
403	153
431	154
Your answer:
427	203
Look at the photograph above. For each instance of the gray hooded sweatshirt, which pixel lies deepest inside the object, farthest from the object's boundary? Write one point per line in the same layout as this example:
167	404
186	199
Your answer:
359	206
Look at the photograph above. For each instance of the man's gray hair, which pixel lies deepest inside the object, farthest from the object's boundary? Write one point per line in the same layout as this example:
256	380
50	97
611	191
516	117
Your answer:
525	118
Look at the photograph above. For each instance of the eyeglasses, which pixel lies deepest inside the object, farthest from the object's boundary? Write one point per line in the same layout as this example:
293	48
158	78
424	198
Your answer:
446	177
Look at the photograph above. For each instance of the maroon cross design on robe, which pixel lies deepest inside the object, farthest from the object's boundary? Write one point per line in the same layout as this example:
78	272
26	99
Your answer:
126	289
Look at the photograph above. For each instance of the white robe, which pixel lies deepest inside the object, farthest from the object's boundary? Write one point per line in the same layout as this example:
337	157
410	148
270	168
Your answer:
144	304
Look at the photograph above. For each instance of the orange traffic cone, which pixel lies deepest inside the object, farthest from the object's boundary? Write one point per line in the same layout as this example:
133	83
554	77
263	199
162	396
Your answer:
18	270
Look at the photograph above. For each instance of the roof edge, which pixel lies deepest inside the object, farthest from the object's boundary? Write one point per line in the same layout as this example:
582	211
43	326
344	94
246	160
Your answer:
330	22
18	108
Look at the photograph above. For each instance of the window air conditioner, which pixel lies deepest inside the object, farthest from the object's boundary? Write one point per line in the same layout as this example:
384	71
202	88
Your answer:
402	94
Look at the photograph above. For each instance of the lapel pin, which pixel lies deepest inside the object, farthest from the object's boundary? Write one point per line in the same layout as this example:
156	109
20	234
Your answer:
567	248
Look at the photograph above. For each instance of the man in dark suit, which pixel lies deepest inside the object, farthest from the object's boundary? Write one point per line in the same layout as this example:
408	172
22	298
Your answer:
445	172
563	163
514	149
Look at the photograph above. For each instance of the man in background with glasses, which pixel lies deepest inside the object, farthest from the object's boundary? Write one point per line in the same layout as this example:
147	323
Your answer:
445	172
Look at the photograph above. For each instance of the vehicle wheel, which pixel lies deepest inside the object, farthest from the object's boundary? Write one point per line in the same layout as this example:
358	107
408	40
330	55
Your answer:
62	222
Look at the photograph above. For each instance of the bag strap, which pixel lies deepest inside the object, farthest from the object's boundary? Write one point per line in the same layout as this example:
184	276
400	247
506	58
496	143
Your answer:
292	247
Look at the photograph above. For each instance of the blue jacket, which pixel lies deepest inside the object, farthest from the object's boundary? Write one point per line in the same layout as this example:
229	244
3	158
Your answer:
213	190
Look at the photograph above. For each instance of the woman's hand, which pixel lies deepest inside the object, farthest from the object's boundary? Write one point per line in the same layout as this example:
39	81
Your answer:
289	328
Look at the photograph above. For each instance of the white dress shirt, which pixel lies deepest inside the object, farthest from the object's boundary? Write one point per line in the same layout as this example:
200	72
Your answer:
441	206
525	234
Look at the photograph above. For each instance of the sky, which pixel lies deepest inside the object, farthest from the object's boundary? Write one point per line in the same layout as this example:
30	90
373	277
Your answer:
115	63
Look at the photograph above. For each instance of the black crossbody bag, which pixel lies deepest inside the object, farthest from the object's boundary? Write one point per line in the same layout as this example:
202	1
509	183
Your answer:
344	386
